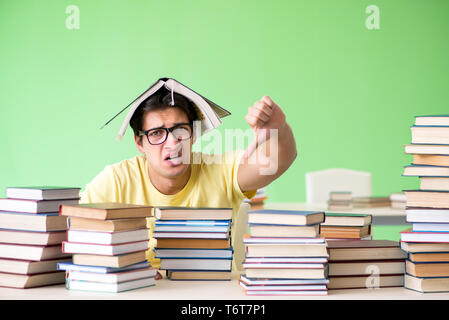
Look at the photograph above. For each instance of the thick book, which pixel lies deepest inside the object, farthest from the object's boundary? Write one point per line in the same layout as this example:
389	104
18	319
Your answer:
427	198
272	230
34	206
207	111
202	275
103	249
431	160
119	261
31	252
432	120
95	237
117	225
286	217
427	269
109	287
23	281
283	249
32	222
434	183
410	236
106	211
364	250
426	171
426	284
196	264
192	213
430	134
365	281
430	215
30	267
417	247
191	235
114	277
43	192
367	267
179	243
343	232
193	253
427	149
32	237
347	219
69	266
287	273
429	257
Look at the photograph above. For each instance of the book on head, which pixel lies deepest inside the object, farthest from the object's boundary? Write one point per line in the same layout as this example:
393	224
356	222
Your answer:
208	112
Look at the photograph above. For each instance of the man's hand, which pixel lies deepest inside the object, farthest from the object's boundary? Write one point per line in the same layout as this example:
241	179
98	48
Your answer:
264	115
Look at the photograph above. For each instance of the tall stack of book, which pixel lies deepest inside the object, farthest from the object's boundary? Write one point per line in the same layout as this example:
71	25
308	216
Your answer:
340	200
338	226
284	254
427	242
31	233
258	201
109	243
365	264
194	243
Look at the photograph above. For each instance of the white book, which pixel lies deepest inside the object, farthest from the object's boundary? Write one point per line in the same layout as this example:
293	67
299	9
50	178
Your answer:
283	287
196	264
115	277
42	193
251	240
285	260
159	228
69	266
109	287
193	253
102	249
193	235
425	236
283	265
195	223
430	227
269	281
427	215
34	206
107	237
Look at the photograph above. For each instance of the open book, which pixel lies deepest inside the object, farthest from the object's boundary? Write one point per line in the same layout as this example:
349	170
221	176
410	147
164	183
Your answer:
208	112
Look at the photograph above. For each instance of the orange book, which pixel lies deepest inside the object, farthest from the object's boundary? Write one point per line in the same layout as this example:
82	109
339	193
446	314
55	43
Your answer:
179	243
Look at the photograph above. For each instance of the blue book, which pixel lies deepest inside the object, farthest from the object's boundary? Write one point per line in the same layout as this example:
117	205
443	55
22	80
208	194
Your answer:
286	217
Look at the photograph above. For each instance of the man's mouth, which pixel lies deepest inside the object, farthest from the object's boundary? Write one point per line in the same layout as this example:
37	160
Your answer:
175	158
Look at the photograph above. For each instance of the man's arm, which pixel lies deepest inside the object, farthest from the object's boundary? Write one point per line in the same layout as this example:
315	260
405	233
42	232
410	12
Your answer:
273	149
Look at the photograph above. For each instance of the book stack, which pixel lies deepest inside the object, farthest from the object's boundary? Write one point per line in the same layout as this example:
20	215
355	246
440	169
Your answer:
340	200
370	202
398	200
108	242
194	243
31	233
284	254
257	202
366	264
427	242
338	226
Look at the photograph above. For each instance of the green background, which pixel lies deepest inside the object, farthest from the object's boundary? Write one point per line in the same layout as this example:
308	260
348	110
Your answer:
349	93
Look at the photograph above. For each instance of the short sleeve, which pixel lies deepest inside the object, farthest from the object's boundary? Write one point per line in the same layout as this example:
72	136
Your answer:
103	188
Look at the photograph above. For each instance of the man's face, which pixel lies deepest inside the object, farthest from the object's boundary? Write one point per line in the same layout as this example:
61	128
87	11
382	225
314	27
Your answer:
169	159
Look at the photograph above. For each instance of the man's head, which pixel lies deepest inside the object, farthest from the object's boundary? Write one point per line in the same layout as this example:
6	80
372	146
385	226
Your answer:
166	150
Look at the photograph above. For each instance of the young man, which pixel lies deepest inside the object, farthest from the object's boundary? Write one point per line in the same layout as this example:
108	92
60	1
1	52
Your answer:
165	174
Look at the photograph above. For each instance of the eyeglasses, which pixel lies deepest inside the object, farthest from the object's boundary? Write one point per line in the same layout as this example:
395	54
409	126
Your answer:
182	131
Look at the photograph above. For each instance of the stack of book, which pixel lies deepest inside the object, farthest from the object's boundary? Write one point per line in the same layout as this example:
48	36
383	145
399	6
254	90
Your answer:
258	201
370	202
108	242
365	264
427	242
31	233
338	226
398	200
194	243
340	200
284	254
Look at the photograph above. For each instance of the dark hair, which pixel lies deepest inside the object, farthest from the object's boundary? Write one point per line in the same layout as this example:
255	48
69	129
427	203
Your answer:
159	101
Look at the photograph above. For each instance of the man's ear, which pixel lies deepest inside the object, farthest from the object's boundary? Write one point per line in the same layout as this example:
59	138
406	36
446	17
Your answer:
139	144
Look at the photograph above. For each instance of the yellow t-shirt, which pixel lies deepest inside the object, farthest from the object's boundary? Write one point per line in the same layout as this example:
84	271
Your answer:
212	183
